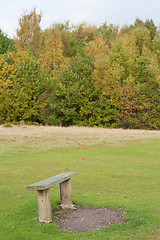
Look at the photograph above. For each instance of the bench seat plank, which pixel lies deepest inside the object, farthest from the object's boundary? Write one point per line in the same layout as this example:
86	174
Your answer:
49	182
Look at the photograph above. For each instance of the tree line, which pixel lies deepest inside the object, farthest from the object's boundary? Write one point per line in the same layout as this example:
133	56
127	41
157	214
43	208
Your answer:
81	75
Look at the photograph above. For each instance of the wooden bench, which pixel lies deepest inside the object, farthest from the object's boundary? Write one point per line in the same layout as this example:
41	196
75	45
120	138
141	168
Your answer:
43	192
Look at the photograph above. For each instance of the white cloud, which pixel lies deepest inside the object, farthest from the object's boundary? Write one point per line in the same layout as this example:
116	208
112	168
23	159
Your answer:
78	11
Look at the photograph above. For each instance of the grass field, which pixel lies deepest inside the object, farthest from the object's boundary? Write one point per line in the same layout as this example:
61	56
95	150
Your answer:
119	171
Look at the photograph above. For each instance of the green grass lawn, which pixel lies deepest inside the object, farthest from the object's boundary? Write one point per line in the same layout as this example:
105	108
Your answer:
123	176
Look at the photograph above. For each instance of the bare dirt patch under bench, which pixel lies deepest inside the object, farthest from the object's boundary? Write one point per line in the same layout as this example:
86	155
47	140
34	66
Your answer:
89	219
49	136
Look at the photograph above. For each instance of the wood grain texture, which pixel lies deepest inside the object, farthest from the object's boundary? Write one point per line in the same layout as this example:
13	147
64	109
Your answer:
49	182
44	206
66	194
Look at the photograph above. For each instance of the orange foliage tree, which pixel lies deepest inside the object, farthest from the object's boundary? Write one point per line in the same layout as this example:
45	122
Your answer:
29	32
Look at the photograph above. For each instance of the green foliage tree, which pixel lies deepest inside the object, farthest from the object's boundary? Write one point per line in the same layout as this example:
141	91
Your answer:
6	44
138	22
120	58
156	47
71	45
81	75
77	101
22	93
142	38
140	98
108	32
148	24
85	32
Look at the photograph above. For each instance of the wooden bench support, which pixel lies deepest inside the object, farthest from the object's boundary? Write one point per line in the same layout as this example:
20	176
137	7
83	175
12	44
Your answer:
44	205
43	192
66	194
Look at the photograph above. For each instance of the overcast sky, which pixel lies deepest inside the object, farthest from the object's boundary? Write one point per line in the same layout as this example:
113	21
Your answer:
77	11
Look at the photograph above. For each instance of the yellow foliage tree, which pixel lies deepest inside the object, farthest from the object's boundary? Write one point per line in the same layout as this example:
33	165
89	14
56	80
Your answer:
135	39
29	32
96	47
5	71
86	32
104	75
52	54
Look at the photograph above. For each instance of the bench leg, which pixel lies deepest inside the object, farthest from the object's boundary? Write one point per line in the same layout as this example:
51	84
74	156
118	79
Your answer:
44	205
66	195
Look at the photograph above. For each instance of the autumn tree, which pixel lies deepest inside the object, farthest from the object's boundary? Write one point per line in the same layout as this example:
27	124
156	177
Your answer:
108	32
6	44
86	32
156	47
96	47
142	38
6	70
71	45
120	59
23	88
140	97
148	24
29	31
104	75
76	100
81	75
51	54
132	106
72	89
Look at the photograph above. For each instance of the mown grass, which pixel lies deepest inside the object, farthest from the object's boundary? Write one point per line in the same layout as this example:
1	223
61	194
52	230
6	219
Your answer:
123	176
